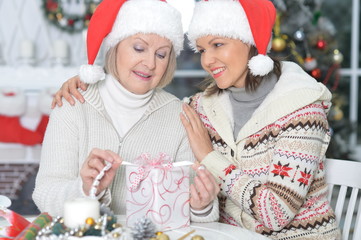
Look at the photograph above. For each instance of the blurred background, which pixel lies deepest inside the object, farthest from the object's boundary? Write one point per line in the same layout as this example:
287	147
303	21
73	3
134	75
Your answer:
42	44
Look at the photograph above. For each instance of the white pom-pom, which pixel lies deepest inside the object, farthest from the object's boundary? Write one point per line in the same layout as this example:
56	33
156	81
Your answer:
260	65
91	73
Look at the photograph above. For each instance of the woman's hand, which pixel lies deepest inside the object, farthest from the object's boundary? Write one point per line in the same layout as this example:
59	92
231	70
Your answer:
204	190
68	90
94	164
197	134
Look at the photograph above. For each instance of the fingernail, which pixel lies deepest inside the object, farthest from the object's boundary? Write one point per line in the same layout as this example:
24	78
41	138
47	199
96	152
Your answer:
201	167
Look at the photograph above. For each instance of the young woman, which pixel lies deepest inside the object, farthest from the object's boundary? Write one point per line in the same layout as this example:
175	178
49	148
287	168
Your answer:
260	127
123	116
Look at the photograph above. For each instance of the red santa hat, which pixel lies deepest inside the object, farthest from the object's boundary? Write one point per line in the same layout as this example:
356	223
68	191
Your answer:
115	20
250	21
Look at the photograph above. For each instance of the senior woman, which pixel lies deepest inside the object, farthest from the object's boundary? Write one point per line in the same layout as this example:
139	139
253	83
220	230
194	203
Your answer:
124	115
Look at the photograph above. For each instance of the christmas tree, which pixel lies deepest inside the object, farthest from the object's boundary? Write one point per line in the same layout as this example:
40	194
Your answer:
305	35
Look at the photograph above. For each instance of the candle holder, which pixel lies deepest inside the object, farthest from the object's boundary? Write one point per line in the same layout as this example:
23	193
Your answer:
60	53
2	60
27	52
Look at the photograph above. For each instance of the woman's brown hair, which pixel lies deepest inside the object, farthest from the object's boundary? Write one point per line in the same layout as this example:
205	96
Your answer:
252	82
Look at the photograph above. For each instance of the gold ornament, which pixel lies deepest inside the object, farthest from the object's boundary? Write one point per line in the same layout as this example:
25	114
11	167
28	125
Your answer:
337	56
117	225
98	226
163	237
90	221
51	17
79	234
93	7
153	238
59	16
116	235
278	44
158	233
197	237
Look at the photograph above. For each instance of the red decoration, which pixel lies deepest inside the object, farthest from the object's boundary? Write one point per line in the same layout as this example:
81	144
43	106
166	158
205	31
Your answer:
316	73
305	177
51	5
18	224
281	170
321	44
71	22
229	169
9	94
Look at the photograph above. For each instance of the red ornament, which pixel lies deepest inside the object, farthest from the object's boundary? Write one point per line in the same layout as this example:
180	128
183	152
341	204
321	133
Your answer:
71	22
316	73
321	44
51	5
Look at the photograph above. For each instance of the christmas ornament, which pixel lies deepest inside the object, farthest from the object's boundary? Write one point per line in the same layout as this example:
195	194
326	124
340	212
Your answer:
321	44
62	13
316	73
278	44
90	221
143	229
336	113
310	63
299	35
197	237
337	56
163	237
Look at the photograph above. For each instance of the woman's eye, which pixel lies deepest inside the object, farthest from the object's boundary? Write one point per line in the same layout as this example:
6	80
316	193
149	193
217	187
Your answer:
138	49
201	51
218	44
161	56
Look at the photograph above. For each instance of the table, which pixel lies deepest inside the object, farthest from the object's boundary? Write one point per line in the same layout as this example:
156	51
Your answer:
210	231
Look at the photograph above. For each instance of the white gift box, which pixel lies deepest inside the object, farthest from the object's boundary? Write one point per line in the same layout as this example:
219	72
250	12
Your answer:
160	193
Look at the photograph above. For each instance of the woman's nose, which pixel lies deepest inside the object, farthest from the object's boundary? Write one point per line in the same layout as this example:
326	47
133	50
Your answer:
207	59
149	61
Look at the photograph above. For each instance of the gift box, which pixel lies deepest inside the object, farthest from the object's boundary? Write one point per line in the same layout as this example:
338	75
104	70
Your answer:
159	190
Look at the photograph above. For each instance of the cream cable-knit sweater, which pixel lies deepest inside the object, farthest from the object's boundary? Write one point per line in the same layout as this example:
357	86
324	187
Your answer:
73	131
272	177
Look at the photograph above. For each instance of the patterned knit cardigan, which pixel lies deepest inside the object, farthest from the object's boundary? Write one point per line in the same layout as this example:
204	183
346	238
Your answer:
272	177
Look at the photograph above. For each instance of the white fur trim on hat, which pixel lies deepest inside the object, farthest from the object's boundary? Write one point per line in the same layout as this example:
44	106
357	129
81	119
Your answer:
206	21
12	102
260	65
45	100
91	73
147	16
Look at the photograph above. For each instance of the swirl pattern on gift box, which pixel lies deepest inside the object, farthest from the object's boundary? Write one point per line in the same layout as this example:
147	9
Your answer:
158	190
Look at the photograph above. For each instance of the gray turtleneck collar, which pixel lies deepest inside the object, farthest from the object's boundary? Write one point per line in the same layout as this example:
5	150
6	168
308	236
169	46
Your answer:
245	103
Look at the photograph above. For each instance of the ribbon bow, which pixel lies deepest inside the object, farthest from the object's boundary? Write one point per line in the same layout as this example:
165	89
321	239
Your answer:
146	163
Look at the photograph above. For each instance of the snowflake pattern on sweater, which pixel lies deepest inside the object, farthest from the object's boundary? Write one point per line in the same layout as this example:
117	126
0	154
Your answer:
273	181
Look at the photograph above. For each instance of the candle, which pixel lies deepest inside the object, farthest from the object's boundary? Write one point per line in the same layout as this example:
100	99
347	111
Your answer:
60	48
27	49
78	210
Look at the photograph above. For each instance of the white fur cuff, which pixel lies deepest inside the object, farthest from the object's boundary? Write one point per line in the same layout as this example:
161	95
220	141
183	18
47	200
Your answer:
12	102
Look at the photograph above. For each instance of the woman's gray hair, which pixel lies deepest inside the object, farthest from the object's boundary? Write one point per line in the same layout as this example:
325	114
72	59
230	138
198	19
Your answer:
111	66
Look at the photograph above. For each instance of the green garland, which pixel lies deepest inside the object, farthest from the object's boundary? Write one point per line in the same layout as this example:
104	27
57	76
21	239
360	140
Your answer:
54	12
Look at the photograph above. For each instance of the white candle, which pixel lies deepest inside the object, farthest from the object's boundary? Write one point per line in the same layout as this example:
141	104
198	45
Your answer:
78	210
27	49
60	48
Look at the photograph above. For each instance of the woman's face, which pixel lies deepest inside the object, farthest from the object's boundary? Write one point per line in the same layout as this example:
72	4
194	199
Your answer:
142	60
225	59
